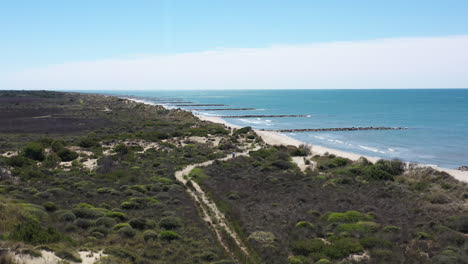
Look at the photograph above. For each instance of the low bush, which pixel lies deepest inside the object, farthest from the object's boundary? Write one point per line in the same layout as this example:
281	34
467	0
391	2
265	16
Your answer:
34	151
307	246
67	155
150	235
105	221
68	216
262	237
347	217
139	223
120	225
360	226
127	232
391	229
305	224
343	247
170	222
31	231
84	223
50	206
169	235
117	215
89	213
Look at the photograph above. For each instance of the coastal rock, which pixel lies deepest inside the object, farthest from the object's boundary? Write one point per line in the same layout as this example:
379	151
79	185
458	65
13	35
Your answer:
463	168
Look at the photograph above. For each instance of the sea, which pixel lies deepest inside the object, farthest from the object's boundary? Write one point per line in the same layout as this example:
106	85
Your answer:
437	119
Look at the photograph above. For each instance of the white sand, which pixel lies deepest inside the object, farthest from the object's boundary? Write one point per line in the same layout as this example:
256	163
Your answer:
274	138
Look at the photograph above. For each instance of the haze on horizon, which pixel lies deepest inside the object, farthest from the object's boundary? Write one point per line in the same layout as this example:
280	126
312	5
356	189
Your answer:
260	44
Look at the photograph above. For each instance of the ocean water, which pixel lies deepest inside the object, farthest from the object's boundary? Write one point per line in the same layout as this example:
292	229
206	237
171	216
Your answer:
438	119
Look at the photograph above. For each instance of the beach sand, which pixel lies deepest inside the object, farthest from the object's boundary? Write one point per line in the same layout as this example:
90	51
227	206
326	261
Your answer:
274	138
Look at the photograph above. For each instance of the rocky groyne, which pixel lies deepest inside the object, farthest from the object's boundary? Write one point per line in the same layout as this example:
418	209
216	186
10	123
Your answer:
335	129
222	109
259	116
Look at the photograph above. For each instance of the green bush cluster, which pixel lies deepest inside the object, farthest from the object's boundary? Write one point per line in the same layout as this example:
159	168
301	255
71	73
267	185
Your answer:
347	217
31	231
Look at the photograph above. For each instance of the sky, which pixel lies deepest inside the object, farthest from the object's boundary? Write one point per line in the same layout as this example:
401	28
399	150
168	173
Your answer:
255	44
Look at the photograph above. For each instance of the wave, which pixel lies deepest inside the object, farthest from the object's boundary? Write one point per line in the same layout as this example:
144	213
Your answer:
257	121
376	150
209	114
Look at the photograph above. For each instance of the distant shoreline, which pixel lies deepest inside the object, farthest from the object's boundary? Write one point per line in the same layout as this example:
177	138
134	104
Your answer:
275	138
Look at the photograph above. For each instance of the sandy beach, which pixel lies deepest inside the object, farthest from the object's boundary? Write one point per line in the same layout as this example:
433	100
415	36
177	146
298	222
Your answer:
274	138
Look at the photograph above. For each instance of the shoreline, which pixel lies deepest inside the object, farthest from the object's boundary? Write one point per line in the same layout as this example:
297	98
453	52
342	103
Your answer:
275	138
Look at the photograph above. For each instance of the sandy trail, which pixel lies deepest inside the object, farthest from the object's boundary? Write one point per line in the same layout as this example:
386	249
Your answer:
210	212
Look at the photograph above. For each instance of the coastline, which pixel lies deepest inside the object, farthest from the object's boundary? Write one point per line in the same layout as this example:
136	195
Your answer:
275	138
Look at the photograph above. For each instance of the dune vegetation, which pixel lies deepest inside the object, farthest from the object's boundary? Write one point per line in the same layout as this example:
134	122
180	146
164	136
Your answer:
93	173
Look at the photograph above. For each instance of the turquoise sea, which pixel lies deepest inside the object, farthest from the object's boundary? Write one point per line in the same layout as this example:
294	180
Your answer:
438	119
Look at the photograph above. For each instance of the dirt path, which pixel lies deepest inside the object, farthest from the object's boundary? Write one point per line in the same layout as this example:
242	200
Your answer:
211	213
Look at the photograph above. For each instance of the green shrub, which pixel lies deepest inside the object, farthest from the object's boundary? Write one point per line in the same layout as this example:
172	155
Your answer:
105	221
127	231
294	260
323	261
347	217
360	226
50	206
139	203
18	161
333	163
84	223
57	145
150	235
198	175
120	225
170	222
51	161
343	247
121	149
307	246
262	237
68	216
34	151
424	236
169	235
305	224
67	155
391	229
89	213
139	223
88	142
242	131
118	215
102	230
138	188
31	231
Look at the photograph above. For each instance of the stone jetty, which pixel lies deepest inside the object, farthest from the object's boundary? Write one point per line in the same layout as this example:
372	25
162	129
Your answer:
256	116
172	102
335	129
222	109
199	105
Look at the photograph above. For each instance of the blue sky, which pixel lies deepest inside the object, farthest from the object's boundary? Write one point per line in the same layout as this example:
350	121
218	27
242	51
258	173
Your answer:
41	33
